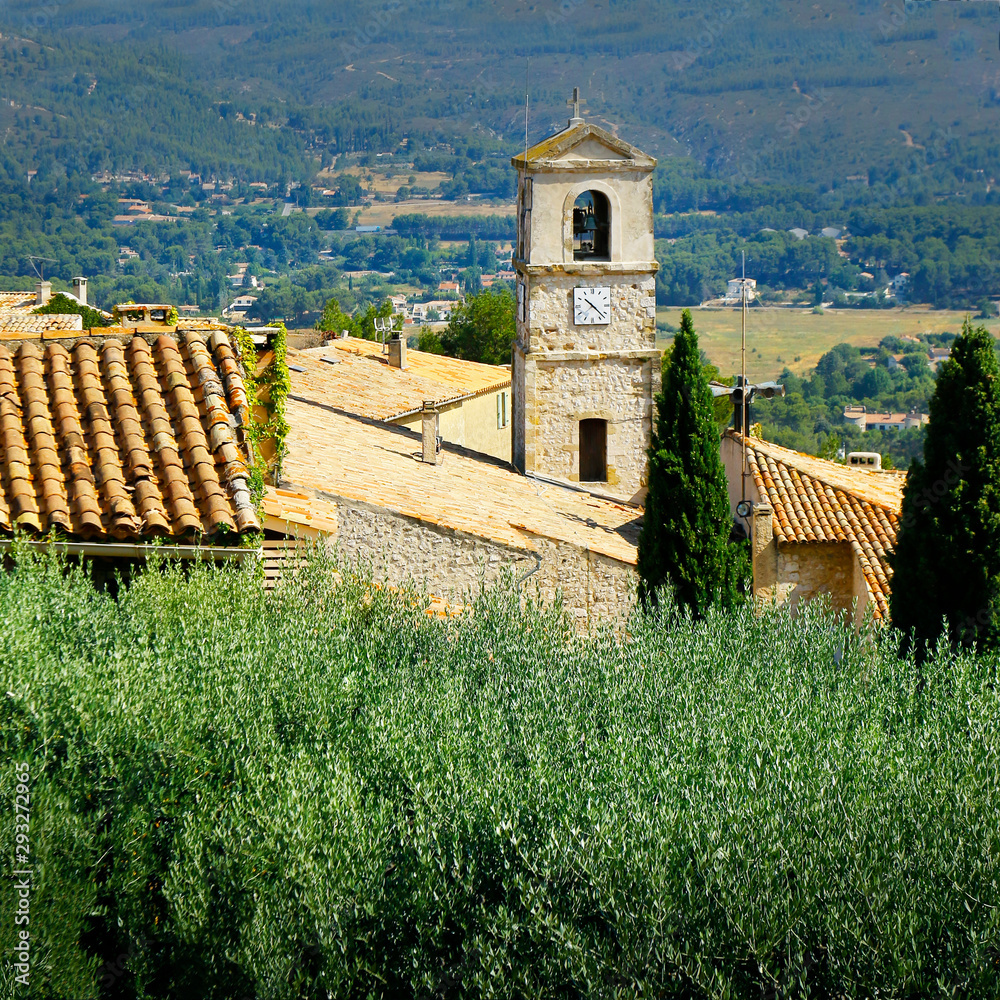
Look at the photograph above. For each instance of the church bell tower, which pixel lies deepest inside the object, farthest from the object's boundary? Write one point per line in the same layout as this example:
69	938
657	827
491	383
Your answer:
585	365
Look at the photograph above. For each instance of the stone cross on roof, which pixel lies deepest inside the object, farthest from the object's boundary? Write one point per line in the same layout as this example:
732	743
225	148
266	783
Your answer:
574	102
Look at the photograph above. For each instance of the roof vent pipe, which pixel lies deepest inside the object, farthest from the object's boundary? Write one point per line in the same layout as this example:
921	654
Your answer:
429	429
397	352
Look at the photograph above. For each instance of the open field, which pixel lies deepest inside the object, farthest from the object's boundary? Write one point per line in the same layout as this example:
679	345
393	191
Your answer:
797	338
382	213
375	180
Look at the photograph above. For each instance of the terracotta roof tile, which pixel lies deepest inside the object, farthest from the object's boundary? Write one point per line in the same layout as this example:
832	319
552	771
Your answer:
818	501
123	437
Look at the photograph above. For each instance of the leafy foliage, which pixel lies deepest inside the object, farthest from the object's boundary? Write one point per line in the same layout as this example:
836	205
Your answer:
321	792
482	328
685	536
63	305
812	409
360	324
268	386
947	558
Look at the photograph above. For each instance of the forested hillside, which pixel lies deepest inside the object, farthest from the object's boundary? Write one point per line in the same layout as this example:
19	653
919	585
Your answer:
755	89
875	118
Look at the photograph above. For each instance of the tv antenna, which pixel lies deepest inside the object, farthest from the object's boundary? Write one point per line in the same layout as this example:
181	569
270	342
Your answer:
40	271
527	63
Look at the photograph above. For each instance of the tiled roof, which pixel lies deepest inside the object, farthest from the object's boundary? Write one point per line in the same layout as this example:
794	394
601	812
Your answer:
346	457
819	501
22	300
363	383
16	324
127	438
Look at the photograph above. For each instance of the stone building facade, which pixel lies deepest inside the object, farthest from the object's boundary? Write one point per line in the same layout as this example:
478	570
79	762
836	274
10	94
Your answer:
585	367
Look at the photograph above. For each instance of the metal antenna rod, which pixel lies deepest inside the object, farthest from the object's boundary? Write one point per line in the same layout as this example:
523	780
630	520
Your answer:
526	65
743	367
42	261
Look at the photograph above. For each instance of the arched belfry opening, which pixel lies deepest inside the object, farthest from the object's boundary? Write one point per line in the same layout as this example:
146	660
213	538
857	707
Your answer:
592	227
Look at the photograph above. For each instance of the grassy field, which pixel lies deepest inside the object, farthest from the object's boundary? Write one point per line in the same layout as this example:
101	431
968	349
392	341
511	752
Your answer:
797	338
382	213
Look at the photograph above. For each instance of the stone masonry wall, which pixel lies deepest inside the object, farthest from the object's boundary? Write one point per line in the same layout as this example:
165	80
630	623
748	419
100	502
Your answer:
550	324
809	569
452	565
615	389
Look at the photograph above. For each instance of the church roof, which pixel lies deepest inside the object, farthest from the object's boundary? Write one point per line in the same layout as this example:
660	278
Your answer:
590	142
819	501
354	376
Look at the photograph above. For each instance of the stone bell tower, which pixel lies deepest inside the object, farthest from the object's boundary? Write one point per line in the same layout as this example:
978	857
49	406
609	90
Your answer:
585	365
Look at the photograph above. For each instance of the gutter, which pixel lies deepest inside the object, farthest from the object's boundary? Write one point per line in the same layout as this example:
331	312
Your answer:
581	489
439	405
124	550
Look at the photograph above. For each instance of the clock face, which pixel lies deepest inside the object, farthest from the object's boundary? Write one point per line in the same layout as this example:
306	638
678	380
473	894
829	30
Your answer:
591	306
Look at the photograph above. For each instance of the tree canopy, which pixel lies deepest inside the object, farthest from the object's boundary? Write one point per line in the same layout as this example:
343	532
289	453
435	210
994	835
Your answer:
482	328
947	559
685	541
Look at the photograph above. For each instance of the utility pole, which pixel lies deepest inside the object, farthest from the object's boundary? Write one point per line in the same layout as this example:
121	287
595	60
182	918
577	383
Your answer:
743	374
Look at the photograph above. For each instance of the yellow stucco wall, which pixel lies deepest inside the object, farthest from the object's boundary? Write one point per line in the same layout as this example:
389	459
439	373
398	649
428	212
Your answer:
472	424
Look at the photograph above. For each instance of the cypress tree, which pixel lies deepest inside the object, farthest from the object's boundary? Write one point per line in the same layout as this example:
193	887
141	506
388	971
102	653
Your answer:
685	535
947	559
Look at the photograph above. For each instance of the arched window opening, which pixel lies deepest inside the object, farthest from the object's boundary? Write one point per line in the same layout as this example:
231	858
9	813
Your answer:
593	451
592	227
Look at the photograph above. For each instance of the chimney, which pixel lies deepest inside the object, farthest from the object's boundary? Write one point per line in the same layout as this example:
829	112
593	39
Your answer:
397	353
43	292
80	290
429	427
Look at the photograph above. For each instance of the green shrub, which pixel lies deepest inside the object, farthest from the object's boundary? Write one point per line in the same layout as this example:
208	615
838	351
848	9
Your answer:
321	792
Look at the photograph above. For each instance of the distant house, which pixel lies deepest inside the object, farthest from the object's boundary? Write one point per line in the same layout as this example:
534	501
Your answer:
443	307
831	232
449	286
799	234
898	286
368	229
865	421
937	355
239	307
734	290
